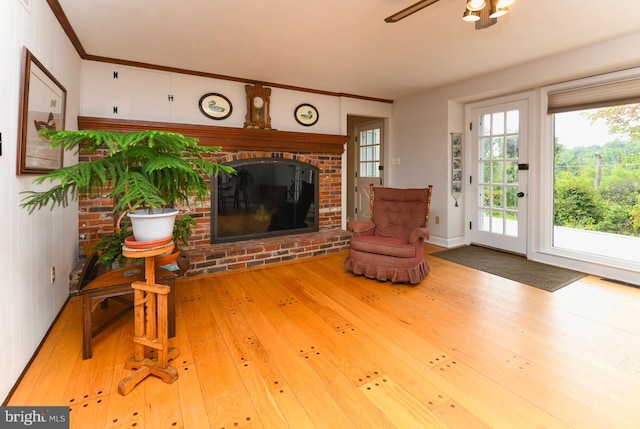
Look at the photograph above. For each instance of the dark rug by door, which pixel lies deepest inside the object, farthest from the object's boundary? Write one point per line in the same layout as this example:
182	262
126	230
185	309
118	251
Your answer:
512	267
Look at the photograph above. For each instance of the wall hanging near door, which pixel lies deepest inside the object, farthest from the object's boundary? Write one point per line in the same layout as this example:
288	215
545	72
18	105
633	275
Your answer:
456	166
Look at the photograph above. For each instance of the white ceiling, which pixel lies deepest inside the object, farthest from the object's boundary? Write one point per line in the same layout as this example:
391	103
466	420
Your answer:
341	46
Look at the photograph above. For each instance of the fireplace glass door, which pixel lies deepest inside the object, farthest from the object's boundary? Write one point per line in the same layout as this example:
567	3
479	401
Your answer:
266	197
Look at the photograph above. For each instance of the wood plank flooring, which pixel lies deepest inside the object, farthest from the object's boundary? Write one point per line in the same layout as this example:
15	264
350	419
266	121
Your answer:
308	345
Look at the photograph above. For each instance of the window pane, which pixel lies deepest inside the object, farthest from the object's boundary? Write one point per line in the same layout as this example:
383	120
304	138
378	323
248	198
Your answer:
512	224
485	220
485	125
512	198
485	148
498	123
485	172
513	122
498	196
497	221
512	147
512	172
485	197
497	147
498	172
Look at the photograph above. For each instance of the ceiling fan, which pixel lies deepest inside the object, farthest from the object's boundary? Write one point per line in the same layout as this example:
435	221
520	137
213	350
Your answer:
484	13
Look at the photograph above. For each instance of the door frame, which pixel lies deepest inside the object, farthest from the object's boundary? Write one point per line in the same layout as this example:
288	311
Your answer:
353	122
364	214
524	158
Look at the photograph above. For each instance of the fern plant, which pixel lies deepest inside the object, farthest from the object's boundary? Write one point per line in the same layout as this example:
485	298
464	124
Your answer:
141	170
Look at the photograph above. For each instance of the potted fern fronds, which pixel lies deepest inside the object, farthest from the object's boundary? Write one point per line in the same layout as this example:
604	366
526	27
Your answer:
144	173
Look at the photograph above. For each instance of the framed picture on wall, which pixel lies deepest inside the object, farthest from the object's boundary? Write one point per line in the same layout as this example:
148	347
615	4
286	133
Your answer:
306	115
42	106
215	106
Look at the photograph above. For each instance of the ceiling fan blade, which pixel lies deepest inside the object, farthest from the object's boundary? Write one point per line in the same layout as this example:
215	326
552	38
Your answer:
409	10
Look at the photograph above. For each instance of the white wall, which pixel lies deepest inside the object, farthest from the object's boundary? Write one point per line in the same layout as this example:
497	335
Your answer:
31	244
423	122
141	94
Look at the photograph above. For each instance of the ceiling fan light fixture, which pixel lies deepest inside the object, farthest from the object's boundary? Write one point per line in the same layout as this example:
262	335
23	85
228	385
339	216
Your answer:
475	5
470	15
498	12
505	3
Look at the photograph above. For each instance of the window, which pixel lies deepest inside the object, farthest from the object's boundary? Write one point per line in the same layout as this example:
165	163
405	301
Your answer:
370	153
498	172
596	170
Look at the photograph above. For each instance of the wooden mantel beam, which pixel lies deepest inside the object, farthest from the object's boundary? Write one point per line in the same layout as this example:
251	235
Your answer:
228	137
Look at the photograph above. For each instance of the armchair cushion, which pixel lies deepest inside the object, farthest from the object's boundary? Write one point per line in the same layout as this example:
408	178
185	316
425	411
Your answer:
389	246
396	212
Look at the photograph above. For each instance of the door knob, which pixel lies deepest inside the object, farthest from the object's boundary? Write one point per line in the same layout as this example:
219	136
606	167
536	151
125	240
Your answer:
520	194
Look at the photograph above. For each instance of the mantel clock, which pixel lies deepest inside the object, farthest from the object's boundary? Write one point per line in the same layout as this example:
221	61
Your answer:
258	107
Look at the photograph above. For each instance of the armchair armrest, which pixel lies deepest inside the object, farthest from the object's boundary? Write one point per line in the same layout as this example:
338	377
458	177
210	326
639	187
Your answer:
418	233
361	228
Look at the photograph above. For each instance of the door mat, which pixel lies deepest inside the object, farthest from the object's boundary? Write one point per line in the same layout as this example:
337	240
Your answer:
512	267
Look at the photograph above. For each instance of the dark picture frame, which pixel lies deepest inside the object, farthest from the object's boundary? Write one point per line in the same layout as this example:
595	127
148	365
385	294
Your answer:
215	106
42	106
306	114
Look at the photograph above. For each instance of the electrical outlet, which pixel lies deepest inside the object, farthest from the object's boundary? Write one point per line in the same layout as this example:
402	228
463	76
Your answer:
53	273
437	220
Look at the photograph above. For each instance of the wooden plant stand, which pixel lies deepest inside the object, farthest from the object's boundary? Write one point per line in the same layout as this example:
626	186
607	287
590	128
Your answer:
151	325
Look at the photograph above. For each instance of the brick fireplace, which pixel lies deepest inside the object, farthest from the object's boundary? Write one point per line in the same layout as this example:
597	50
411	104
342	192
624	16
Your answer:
322	151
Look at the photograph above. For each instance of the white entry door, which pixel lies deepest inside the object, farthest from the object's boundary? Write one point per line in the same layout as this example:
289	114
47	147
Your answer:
498	176
369	165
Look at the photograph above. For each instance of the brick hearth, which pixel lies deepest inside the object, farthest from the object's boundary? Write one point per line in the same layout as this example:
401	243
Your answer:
216	258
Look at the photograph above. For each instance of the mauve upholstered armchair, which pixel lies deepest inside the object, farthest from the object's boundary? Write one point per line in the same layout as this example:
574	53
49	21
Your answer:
390	247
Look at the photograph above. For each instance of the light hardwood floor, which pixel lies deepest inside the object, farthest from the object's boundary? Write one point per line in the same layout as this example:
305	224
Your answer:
307	345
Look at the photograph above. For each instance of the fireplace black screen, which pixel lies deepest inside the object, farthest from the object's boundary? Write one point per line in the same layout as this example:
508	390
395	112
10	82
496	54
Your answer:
266	197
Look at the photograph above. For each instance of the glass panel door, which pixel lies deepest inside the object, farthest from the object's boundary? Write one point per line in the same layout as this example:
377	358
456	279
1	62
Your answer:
498	139
369	163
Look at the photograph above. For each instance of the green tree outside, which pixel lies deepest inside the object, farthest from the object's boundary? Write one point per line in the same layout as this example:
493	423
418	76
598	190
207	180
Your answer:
598	187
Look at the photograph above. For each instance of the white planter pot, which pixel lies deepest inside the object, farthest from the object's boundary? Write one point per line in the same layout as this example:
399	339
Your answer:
154	225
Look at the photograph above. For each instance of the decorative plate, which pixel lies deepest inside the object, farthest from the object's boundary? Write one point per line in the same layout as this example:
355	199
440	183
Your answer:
306	115
215	106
